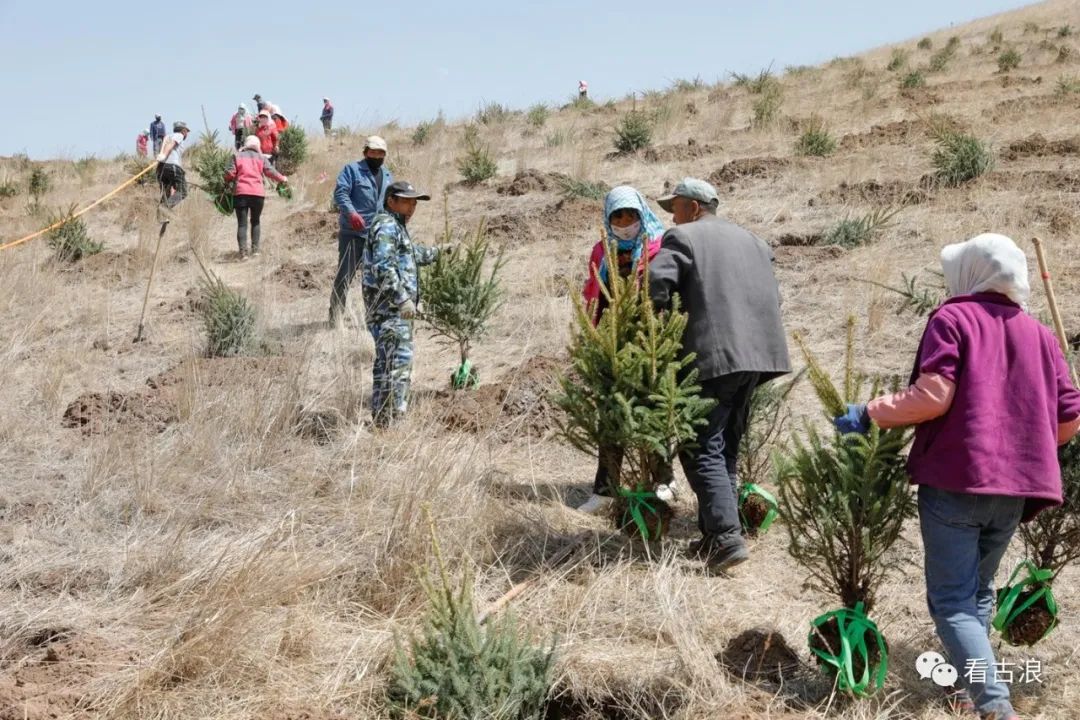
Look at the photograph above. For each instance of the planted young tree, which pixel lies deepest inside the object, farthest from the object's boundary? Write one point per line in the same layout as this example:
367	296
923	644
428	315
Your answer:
460	298
634	132
210	160
457	669
631	398
292	149
844	499
1026	608
1008	60
71	241
477	165
912	80
228	317
766	107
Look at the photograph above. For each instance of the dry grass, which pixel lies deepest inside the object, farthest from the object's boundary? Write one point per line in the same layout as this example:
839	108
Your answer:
232	567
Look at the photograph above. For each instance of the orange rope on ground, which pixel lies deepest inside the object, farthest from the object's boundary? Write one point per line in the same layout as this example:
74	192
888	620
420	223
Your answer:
92	205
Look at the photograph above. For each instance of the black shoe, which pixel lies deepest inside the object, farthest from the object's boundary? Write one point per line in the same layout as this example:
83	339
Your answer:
719	558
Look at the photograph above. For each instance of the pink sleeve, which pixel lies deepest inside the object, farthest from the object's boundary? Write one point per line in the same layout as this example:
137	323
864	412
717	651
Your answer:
931	396
591	291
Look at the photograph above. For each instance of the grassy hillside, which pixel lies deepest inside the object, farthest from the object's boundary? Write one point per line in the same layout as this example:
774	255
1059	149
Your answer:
187	537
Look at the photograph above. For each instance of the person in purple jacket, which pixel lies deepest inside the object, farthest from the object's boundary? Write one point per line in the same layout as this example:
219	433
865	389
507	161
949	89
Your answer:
992	398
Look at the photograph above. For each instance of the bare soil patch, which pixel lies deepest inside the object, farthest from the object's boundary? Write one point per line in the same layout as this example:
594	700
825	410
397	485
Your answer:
96	413
53	678
749	168
305	277
311	226
1030	180
529	181
1036	145
882	192
692	150
519	402
760	654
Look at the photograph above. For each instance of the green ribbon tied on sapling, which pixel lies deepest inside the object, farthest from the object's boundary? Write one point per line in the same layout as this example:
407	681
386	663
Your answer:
749	489
1037	582
637	504
853	626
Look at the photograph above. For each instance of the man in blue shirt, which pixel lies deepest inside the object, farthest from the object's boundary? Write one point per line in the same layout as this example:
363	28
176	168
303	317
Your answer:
157	133
359	195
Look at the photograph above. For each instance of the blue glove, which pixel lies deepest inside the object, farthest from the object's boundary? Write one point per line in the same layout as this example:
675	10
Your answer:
855	420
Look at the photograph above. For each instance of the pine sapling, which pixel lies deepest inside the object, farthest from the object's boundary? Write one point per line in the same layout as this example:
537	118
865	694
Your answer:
460	298
844	499
631	397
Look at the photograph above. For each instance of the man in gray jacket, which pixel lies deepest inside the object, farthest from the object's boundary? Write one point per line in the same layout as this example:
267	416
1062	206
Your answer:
723	275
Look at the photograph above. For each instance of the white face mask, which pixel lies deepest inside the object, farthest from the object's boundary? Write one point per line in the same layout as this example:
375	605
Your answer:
627	233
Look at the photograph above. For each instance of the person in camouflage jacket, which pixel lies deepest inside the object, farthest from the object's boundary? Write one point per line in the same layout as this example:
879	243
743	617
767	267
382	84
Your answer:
391	287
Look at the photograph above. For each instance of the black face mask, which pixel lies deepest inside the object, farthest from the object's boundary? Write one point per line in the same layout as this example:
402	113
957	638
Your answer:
374	163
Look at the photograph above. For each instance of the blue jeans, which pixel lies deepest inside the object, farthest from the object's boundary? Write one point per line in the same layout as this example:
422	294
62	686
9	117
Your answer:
965	537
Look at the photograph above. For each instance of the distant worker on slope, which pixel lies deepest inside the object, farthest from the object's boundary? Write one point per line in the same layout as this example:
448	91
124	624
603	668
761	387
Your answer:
141	143
327	116
267	133
359	195
260	104
280	121
170	172
157	133
240	125
582	89
247	170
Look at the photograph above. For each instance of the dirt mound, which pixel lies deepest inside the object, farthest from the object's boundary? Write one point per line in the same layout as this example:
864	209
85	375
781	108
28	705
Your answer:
1060	220
318	426
1037	146
189	304
745	168
520	401
882	192
312	226
681	153
107	266
798	239
760	654
1030	180
894	133
96	413
572	214
513	227
54	679
530	180
919	97
306	277
794	257
1007	110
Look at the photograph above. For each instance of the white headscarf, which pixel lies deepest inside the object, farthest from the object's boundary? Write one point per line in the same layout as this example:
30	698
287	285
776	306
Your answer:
987	263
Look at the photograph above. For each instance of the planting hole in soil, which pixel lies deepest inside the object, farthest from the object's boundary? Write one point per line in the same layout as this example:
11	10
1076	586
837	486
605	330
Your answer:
759	654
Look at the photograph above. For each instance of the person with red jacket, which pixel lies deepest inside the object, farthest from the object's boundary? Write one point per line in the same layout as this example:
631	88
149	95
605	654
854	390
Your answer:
280	120
248	169
141	144
267	133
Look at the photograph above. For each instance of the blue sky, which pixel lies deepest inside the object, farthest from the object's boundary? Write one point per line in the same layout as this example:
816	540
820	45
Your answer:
82	78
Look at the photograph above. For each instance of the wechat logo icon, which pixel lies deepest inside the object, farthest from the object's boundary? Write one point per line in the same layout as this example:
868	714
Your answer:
932	666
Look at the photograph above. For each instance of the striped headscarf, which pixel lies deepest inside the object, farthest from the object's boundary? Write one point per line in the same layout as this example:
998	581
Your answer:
619	198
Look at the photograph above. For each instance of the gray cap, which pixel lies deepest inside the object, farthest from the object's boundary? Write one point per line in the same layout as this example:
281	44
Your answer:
692	189
179	125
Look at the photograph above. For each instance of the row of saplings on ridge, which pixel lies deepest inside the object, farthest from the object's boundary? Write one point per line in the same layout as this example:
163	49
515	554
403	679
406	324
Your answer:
842	498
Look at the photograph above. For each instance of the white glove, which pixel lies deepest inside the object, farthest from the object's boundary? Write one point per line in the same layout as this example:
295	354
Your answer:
408	310
161	157
664	493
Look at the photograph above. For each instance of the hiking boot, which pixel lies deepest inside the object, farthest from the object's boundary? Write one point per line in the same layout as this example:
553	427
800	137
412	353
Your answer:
718	558
595	504
255	252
